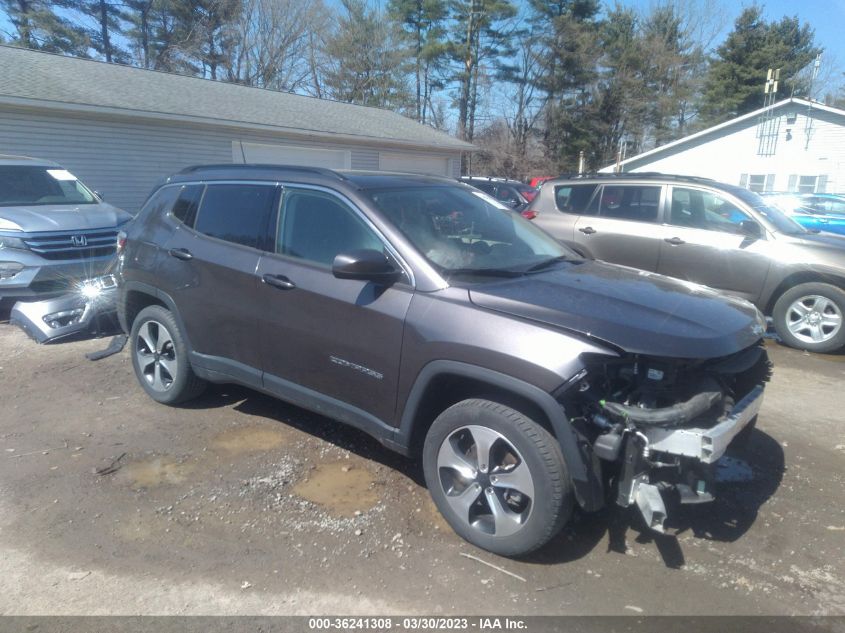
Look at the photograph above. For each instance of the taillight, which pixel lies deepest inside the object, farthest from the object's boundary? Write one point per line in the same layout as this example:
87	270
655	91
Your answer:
529	214
121	241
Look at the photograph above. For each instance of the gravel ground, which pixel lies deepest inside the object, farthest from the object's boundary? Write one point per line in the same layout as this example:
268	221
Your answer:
241	504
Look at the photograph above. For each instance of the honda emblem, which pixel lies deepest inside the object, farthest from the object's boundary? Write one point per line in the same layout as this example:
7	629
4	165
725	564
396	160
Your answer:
79	240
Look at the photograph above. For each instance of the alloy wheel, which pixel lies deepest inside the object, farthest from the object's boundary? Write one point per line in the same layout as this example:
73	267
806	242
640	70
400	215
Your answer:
156	355
485	480
814	319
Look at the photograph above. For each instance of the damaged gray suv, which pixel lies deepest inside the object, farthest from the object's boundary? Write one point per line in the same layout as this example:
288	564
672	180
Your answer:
527	379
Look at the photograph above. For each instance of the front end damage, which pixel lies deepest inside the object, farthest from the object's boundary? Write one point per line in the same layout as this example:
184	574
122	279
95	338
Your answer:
85	309
657	426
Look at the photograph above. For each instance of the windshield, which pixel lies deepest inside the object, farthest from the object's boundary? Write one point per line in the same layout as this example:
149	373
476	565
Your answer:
781	221
29	185
461	231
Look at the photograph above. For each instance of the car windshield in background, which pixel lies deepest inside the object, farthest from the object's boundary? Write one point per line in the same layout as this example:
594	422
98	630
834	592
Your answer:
27	185
778	218
462	231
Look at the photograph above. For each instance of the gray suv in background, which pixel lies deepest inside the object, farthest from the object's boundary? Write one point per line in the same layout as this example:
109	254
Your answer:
54	231
706	232
417	309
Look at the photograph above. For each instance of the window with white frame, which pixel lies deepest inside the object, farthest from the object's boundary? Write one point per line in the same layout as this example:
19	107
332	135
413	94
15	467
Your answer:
757	182
807	184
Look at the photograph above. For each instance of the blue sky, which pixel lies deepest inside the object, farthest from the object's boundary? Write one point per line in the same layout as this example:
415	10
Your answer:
827	17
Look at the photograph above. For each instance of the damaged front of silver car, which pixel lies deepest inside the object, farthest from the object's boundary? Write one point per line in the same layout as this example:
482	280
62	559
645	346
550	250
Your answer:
89	308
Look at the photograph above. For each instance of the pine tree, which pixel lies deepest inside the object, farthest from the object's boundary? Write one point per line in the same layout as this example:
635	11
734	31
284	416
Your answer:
38	25
734	82
569	33
366	62
108	17
424	25
479	38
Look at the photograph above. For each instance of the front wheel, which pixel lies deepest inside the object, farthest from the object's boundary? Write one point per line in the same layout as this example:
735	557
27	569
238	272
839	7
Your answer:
160	357
497	477
810	317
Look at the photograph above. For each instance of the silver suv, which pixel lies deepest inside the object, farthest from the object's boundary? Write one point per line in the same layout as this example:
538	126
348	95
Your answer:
54	231
703	231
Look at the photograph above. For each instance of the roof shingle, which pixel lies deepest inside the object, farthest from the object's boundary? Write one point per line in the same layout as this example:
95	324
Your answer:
35	76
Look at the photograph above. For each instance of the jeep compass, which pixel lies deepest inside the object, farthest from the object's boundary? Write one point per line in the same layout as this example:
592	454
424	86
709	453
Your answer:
418	309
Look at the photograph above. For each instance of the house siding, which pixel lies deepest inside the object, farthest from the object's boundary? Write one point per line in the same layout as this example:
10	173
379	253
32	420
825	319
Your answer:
731	154
125	157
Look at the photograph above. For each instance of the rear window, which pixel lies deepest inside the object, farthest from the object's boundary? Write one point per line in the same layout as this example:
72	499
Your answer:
187	204
573	198
630	202
236	213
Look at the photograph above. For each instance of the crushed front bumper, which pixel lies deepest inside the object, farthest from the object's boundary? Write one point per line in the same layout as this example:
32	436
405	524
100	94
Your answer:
707	445
681	459
70	314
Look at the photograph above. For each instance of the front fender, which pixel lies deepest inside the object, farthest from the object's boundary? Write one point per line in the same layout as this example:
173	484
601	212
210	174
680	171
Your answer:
583	471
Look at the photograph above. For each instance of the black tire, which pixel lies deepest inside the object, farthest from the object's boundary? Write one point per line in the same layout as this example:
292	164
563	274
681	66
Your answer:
529	521
165	373
787	319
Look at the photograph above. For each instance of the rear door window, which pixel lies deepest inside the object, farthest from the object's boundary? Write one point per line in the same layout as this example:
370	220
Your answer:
237	213
574	198
630	202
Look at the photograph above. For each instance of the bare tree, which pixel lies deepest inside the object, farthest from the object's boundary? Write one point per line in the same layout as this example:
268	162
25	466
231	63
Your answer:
271	43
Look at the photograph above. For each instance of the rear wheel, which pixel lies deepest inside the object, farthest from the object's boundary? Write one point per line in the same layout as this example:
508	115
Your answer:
497	477
810	316
160	357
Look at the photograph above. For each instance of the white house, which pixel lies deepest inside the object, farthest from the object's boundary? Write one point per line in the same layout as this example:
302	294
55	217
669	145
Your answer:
795	145
122	129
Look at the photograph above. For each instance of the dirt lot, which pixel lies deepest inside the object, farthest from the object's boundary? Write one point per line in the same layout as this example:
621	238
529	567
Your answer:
240	504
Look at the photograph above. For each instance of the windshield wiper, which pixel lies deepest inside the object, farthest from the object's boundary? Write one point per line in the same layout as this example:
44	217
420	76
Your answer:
546	263
485	272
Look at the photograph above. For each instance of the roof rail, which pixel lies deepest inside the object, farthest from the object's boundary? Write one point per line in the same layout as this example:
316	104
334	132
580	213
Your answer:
253	166
638	174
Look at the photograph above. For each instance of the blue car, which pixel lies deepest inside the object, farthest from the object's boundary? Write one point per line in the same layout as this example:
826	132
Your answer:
821	212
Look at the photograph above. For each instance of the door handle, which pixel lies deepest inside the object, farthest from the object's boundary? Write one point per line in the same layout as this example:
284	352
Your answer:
674	241
588	230
278	281
180	253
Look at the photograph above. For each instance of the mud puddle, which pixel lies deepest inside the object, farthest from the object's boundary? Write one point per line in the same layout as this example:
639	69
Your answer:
155	472
339	488
251	439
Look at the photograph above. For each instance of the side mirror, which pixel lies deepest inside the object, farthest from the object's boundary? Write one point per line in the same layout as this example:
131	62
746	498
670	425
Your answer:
365	265
751	228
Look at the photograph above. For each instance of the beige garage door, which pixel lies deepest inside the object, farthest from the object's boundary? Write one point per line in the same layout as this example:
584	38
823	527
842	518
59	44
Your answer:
434	165
243	152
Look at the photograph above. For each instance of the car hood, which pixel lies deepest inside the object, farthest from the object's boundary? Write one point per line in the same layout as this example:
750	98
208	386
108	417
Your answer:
637	311
62	217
